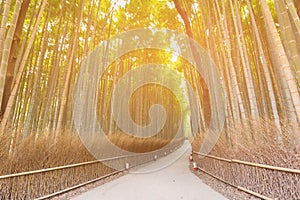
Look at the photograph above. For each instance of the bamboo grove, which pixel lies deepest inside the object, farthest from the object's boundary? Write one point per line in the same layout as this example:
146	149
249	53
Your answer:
254	43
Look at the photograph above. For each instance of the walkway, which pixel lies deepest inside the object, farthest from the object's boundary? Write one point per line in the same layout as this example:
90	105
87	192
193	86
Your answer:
172	182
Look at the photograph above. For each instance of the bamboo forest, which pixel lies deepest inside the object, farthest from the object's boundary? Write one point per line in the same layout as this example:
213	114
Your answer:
91	90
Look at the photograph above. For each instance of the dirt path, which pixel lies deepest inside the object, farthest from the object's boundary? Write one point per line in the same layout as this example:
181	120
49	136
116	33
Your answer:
162	179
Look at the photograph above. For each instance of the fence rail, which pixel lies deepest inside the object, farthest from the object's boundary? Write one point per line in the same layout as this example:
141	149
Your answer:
88	182
73	165
238	187
60	167
147	157
77	186
263	166
283	169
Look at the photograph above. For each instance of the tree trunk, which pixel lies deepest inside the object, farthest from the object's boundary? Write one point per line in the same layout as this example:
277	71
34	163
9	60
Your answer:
35	96
206	101
297	2
7	47
13	95
246	66
232	72
293	12
284	63
69	67
265	67
289	37
3	26
13	54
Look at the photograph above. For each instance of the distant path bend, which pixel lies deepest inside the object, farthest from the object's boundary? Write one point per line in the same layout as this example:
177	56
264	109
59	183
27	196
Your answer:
175	181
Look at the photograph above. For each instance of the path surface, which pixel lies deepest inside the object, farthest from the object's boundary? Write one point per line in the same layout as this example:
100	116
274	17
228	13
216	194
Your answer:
172	182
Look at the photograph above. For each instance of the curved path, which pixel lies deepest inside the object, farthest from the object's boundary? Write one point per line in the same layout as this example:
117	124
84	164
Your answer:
175	181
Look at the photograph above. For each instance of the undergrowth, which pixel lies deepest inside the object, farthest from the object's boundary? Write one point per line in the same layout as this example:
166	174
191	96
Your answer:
259	142
47	151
